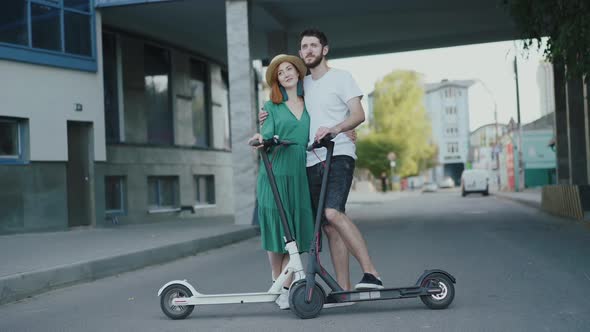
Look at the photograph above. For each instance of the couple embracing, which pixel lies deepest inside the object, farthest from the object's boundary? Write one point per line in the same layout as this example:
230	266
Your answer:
303	109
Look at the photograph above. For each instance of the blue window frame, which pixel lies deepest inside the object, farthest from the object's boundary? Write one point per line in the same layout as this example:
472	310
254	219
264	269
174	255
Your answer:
13	141
51	32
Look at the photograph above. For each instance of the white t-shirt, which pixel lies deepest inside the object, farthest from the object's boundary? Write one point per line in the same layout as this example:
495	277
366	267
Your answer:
325	100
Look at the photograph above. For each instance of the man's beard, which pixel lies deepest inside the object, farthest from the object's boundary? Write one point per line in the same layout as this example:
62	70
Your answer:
315	63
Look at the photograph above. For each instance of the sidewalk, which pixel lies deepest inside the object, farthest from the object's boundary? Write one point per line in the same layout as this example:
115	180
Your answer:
37	262
530	197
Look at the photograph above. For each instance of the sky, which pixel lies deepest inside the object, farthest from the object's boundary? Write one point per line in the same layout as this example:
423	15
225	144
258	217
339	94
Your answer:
490	63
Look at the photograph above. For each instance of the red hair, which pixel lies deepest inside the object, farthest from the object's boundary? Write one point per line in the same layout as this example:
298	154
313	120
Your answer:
276	96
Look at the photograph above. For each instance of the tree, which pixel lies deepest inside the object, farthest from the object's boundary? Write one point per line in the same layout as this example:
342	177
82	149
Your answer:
401	125
566	23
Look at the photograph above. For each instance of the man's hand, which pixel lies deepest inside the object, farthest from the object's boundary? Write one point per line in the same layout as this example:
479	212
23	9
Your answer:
323	131
356	117
351	134
262	115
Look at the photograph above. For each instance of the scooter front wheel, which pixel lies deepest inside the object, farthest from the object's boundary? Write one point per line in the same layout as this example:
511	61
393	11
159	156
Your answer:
298	304
442	299
175	311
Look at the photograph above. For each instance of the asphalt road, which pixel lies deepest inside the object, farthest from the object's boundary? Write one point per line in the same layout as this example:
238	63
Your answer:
517	269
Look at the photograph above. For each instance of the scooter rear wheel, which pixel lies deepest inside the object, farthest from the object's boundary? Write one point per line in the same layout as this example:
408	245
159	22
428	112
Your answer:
443	299
298	304
175	311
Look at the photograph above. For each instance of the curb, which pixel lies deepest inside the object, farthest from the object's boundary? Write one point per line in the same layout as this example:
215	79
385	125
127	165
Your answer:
20	286
526	202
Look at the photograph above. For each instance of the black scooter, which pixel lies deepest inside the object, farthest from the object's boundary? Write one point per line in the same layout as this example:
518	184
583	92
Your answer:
306	297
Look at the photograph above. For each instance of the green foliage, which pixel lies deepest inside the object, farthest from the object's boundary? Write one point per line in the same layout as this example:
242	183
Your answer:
401	125
566	23
372	151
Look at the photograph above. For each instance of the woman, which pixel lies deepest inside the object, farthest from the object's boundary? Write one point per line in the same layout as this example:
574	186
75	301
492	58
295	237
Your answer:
288	119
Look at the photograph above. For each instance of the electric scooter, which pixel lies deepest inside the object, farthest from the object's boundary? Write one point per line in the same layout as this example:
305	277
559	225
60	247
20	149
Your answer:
178	298
306	297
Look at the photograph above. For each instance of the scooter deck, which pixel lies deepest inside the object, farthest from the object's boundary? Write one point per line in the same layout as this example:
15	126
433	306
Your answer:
381	294
203	299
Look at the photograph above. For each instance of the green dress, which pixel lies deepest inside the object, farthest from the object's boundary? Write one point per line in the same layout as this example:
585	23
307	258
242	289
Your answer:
288	165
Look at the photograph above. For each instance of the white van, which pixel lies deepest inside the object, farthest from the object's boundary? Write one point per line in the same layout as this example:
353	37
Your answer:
474	181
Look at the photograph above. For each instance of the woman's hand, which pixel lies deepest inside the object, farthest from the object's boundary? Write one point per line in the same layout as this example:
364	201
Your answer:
256	138
351	134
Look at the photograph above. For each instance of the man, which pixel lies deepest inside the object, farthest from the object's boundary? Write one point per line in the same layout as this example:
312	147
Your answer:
333	101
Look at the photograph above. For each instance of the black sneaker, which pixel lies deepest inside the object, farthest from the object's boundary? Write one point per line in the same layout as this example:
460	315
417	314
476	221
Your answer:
369	281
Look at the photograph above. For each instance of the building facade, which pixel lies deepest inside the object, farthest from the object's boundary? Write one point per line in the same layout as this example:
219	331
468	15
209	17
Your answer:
448	109
538	156
484	147
102	124
52	127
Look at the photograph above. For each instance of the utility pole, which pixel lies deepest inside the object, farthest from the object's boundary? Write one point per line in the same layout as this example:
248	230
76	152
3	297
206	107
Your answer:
497	138
520	154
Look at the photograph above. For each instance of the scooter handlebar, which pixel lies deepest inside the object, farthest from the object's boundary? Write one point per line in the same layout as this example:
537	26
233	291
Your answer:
270	142
322	143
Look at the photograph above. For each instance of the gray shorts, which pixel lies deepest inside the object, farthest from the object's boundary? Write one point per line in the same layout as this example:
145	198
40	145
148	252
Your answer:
339	182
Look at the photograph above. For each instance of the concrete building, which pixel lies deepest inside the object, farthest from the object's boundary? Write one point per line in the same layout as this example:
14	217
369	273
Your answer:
51	120
538	153
448	109
546	88
101	123
484	148
539	158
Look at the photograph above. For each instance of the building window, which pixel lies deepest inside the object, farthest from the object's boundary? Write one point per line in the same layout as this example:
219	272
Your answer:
111	88
449	92
200	105
12	140
226	117
452	131
115	194
205	189
157	92
451	110
13	20
453	147
163	192
57	28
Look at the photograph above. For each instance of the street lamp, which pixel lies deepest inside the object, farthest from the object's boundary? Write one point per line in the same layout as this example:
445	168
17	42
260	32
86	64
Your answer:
496	150
495	107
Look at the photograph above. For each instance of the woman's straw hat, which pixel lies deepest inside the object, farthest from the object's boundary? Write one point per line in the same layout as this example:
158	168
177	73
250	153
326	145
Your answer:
277	60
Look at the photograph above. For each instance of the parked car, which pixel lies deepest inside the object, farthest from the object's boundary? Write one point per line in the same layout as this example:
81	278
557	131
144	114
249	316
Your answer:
429	187
474	181
446	182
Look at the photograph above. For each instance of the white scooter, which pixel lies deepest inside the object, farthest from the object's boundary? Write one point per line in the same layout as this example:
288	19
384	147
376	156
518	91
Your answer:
178	298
